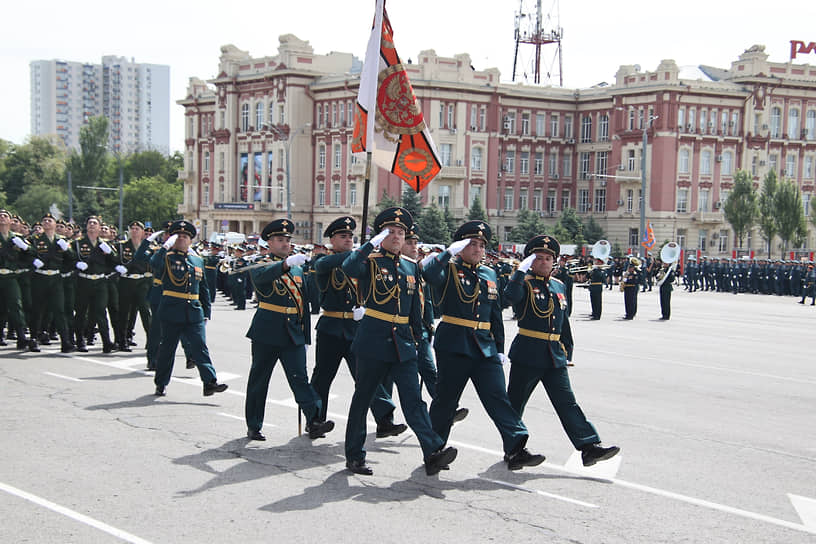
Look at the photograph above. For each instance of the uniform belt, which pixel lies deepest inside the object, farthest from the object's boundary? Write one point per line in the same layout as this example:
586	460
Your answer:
67	274
133	276
5	271
279	309
210	267
176	294
596	283
540	335
157	281
148	274
92	276
382	316
469	323
47	272
339	315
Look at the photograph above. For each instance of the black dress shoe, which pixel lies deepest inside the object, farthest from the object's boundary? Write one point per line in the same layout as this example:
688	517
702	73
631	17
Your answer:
390	429
190	364
107	348
439	460
160	391
82	348
214	387
318	429
4	343
124	346
33	347
595	452
359	467
44	339
460	414
255	435
150	368
523	458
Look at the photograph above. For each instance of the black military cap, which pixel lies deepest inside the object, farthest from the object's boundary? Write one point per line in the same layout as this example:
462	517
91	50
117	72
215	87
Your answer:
4	211
473	229
543	243
96	218
166	225
48	215
183	226
394	216
278	227
341	224
137	223
413	232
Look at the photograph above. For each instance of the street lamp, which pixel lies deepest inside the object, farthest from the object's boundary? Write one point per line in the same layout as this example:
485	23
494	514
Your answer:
287	143
643	183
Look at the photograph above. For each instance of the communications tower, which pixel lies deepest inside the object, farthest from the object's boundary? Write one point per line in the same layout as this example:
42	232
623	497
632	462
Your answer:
534	27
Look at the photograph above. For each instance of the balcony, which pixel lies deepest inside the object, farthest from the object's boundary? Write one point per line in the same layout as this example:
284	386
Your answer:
708	217
455	172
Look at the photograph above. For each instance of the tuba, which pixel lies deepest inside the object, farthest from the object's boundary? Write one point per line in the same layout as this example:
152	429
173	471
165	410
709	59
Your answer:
670	253
601	250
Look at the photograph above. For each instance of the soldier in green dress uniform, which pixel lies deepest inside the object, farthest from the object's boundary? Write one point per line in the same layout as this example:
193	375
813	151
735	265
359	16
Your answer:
51	254
96	259
184	307
134	284
386	341
469	341
337	326
14	253
538	353
281	330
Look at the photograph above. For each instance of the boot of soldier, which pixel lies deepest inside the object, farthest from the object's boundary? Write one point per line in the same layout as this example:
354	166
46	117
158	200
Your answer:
80	343
43	338
12	335
65	342
2	339
107	345
22	341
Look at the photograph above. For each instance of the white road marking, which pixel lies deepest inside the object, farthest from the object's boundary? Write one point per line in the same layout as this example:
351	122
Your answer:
63	377
806	508
543	493
118	533
242	419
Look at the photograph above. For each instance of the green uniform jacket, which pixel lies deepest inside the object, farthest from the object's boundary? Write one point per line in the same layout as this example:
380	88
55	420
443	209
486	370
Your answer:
338	293
183	274
455	282
276	328
11	256
388	284
53	257
98	261
541	305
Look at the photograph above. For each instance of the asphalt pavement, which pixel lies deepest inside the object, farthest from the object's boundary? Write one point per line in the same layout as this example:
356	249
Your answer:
713	411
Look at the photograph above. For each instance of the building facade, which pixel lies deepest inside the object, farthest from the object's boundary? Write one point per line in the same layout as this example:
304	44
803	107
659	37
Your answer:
135	97
264	121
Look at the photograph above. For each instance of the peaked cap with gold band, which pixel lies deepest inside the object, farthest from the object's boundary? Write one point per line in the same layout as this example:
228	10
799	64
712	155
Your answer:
473	229
136	223
341	224
278	227
183	226
394	216
413	232
543	243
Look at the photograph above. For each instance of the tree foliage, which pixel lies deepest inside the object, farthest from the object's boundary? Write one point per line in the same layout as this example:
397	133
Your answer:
37	200
790	216
411	202
39	161
477	211
569	229
767	209
432	226
528	224
151	199
592	231
741	208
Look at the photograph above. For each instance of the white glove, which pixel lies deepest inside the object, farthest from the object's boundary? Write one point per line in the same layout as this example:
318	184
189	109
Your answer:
153	237
377	240
82	265
38	263
121	269
19	242
527	263
170	242
63	245
106	249
503	358
456	247
358	312
296	260
424	262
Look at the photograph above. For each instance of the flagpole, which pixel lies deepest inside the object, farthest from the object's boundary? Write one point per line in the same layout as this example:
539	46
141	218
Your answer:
364	221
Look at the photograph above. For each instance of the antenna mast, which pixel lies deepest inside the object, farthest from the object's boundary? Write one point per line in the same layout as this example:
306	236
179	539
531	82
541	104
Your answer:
538	30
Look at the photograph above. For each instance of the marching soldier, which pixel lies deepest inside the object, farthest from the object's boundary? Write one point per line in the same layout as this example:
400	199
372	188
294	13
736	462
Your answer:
809	289
211	261
386	342
596	284
51	253
14	253
666	288
629	284
337	326
281	330
539	351
563	275
237	280
96	259
134	285
469	341
184	307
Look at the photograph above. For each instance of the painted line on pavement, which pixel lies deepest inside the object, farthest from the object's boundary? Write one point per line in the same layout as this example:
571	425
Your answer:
538	492
96	524
63	377
242	419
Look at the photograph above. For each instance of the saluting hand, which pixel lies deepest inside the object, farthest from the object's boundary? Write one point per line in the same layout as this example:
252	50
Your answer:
155	236
296	260
170	242
458	246
424	262
527	263
377	240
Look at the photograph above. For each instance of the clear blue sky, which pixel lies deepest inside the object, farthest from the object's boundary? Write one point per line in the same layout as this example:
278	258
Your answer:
599	36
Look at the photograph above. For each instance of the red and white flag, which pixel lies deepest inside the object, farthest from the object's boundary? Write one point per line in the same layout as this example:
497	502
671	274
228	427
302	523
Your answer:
388	121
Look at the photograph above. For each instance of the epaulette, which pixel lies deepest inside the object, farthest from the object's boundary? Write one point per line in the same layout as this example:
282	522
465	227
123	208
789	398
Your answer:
374	255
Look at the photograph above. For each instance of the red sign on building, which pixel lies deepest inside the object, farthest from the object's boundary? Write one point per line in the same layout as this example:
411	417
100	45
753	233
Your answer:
801	47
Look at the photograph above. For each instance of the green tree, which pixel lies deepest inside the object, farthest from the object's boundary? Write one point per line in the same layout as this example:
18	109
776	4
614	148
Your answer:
37	200
767	209
477	212
450	221
812	215
89	167
146	164
569	229
411	202
592	231
790	216
741	208
432	226
151	199
39	161
528	224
